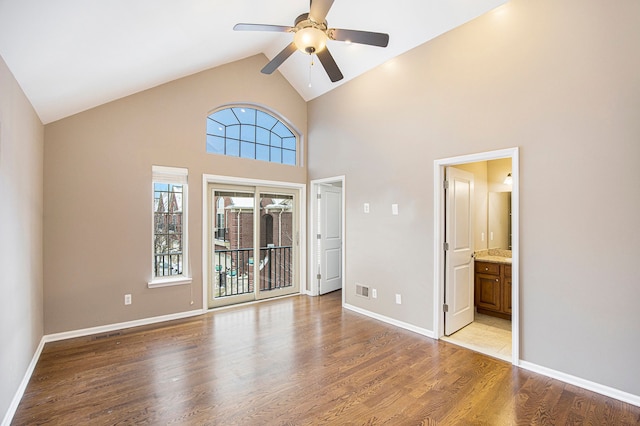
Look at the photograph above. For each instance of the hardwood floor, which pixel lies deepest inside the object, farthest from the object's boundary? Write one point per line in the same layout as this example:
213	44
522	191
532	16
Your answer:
293	361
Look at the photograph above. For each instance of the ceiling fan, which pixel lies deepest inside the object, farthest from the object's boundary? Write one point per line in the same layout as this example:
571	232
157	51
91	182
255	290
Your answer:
310	35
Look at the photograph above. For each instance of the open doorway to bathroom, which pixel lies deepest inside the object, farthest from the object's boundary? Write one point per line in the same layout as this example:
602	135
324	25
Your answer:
489	275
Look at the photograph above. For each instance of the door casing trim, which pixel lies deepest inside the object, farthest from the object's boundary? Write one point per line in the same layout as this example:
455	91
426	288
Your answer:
313	289
234	180
438	240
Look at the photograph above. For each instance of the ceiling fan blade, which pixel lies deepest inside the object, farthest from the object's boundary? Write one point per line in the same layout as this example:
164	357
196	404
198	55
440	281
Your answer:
319	9
361	37
329	65
279	59
262	27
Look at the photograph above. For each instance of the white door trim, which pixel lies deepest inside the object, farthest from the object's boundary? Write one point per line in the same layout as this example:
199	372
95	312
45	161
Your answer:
438	240
313	289
232	180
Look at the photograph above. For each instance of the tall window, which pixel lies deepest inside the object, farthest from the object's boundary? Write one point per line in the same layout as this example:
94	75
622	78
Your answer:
250	133
169	224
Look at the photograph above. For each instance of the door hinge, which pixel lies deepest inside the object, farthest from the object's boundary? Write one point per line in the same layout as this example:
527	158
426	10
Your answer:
319	276
318	196
319	236
445	184
445	307
445	246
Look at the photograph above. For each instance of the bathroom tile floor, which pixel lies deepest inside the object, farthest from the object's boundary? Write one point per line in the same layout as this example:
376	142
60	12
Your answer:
486	334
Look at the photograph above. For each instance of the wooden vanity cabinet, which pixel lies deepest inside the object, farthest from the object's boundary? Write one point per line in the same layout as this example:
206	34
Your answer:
493	289
506	290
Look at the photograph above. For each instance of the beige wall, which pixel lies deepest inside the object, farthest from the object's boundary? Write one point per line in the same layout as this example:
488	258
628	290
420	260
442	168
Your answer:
497	171
21	151
97	240
559	79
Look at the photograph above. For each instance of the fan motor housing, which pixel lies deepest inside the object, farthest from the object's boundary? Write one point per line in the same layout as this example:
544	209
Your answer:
303	21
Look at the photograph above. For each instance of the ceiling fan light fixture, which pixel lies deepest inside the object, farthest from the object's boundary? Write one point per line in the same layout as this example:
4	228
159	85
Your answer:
310	40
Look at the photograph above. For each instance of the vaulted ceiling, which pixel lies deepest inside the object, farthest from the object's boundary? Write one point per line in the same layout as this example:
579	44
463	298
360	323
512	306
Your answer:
72	55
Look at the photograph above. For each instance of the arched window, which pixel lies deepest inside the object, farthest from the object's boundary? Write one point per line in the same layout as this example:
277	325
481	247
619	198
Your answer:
251	133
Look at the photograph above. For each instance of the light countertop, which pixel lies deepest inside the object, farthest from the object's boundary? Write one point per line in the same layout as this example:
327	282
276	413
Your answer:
493	259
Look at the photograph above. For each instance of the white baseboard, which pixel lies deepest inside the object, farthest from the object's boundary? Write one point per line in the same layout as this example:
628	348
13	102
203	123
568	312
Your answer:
567	378
119	326
585	384
564	377
80	333
23	385
401	324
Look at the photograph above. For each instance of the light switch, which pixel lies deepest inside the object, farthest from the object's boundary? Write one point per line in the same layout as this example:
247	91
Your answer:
366	207
394	209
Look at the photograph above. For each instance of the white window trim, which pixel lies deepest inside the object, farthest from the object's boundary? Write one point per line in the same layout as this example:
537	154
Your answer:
175	175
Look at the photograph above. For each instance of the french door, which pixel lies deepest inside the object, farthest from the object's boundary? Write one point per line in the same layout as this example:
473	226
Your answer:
254	243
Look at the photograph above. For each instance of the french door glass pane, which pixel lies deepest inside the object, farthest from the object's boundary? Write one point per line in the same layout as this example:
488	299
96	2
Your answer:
276	265
233	244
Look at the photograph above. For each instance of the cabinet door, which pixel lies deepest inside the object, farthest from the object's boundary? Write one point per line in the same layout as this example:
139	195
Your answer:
488	295
506	296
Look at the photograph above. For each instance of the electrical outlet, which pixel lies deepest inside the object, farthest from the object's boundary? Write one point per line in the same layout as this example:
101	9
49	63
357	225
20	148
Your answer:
366	207
398	299
127	299
394	209
374	293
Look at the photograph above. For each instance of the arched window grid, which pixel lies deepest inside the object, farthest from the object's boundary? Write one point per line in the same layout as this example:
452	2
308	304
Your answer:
248	132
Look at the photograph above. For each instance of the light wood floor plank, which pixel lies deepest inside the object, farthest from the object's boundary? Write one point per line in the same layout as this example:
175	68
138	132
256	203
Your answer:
293	361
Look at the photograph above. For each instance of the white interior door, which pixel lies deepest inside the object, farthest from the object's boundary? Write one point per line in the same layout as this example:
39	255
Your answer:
329	268
458	255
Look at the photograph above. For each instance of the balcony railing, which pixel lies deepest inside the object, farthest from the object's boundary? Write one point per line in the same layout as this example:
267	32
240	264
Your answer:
233	274
234	269
168	264
276	268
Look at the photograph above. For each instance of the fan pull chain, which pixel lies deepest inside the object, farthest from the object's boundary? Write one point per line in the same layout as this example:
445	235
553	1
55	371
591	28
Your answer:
310	67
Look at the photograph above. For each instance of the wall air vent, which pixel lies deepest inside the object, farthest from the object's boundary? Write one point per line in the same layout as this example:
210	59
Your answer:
106	335
362	290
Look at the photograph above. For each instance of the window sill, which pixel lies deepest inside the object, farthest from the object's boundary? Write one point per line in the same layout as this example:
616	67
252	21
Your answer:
167	282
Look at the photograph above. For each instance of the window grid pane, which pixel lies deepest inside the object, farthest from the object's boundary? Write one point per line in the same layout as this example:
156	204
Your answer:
248	150
250	133
276	155
288	157
233	148
215	144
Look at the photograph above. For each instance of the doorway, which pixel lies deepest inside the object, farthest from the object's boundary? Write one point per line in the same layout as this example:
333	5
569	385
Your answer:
486	333
327	227
252	240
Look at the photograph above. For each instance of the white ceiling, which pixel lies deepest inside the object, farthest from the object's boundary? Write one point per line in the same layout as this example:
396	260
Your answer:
72	55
